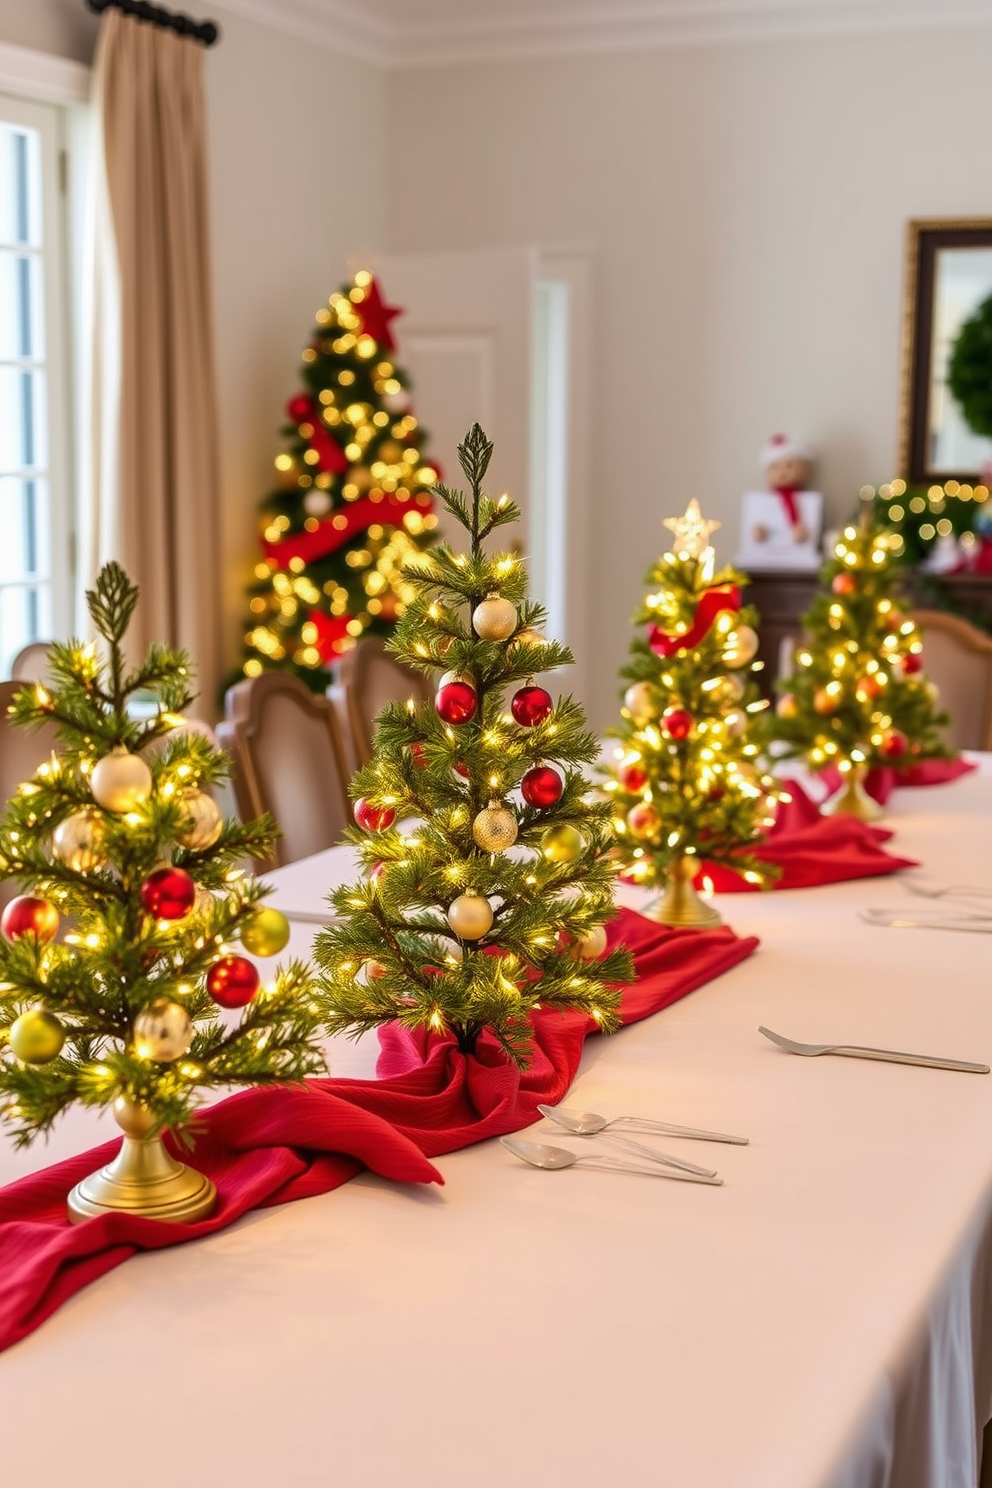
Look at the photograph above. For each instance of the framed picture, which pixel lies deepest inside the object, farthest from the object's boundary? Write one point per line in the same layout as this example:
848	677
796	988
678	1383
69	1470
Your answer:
948	275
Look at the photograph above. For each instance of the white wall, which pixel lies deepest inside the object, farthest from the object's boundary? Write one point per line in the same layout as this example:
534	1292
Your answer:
298	150
747	206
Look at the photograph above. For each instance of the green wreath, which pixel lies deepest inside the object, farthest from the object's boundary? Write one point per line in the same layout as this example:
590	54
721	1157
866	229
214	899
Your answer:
969	371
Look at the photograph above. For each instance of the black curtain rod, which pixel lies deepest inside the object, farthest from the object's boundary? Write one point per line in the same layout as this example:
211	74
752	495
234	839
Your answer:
156	15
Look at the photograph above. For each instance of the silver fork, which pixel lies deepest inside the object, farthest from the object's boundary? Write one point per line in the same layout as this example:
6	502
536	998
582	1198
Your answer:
960	891
894	919
863	1051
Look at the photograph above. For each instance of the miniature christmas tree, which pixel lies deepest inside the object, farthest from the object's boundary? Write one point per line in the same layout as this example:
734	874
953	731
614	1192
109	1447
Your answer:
352	501
118	838
858	696
450	930
687	785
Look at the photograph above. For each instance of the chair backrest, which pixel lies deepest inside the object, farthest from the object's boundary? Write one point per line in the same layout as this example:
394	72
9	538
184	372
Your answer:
21	752
31	662
369	677
288	759
958	658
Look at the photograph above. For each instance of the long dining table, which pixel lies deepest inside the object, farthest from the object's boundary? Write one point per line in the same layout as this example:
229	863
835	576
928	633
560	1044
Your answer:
821	1320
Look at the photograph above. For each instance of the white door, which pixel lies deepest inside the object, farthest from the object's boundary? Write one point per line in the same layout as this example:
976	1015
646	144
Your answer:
497	336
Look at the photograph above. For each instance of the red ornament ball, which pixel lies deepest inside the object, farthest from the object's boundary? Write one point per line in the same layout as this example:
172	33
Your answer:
299	408
843	583
232	981
531	706
168	893
868	687
461	768
643	820
27	915
633	778
894	744
373	818
418	754
456	702
912	663
541	786
677	723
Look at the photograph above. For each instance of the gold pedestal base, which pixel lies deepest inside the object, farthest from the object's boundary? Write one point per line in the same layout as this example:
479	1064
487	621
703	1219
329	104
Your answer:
852	799
143	1178
680	904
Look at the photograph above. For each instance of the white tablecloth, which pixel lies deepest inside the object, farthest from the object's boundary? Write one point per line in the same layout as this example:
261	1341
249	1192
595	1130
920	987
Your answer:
824	1320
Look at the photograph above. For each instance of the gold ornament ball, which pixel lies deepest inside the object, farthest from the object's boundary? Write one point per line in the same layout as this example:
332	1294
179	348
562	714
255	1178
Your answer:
932	690
495	619
390	451
470	916
495	828
787	707
36	1037
530	637
562	844
729	689
78	842
205	821
824	702
735	723
266	933
120	781
637	701
741	646
163	1031
591	945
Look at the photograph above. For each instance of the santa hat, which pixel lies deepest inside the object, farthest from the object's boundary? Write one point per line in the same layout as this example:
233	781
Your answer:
785	447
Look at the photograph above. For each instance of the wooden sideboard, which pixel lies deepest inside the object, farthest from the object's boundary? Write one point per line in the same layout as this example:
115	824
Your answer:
782	597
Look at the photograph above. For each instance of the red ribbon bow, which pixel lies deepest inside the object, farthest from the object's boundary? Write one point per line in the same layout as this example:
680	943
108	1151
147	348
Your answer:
723	597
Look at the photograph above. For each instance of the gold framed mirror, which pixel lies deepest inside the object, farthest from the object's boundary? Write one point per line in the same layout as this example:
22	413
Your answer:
948	275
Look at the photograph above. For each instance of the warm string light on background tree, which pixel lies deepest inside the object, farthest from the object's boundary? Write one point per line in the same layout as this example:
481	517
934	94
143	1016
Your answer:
487	876
687	785
352	499
858	696
956	514
119	842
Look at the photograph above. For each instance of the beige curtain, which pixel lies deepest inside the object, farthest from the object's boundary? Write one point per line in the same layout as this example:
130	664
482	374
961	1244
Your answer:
154	502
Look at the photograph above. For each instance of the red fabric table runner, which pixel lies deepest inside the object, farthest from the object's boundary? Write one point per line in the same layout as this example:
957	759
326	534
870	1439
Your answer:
882	781
263	1147
811	849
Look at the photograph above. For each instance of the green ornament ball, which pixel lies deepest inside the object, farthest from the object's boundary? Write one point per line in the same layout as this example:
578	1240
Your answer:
562	844
36	1037
266	933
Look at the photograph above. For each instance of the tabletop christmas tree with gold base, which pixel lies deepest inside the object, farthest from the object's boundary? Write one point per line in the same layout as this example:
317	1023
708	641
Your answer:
351	501
858	696
687	785
118	963
487	878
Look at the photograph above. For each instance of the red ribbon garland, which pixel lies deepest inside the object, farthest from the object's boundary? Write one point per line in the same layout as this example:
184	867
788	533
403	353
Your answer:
332	632
724	597
787	495
330	456
334	531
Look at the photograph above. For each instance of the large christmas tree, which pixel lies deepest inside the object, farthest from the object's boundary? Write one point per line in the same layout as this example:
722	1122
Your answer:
123	849
352	499
487	872
858	696
687	785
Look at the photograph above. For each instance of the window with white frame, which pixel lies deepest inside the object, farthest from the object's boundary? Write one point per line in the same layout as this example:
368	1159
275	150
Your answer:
35	504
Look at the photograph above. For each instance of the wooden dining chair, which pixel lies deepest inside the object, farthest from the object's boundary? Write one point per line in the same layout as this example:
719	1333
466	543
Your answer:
369	677
31	662
287	758
958	658
21	752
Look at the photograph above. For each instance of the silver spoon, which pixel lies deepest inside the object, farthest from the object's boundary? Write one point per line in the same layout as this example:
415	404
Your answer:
540	1155
587	1124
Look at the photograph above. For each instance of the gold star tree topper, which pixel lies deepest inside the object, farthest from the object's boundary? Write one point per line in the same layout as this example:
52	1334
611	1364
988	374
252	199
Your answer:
691	530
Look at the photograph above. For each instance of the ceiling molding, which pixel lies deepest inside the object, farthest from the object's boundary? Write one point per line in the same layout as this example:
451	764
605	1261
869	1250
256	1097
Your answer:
30	74
403	34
